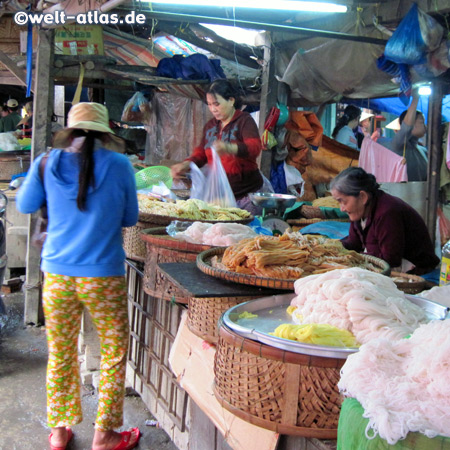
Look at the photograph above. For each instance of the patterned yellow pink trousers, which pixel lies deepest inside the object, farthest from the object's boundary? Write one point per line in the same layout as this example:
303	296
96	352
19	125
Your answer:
106	300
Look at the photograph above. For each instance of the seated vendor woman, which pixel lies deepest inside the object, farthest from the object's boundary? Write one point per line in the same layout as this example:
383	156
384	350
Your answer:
383	225
235	136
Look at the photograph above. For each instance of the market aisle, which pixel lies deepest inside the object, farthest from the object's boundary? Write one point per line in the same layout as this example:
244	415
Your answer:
23	359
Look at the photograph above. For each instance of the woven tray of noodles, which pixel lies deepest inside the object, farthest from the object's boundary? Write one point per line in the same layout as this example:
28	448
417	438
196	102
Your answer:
192	210
277	262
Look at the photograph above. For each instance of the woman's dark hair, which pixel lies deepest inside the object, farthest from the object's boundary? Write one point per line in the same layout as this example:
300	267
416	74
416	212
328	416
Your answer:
403	114
351	112
226	90
353	180
86	177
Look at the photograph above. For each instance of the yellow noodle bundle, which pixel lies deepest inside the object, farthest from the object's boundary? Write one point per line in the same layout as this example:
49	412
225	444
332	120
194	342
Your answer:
290	256
316	333
327	202
192	209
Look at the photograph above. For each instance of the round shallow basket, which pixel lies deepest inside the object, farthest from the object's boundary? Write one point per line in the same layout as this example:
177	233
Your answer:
286	392
162	248
166	220
13	163
298	224
204	314
409	284
205	265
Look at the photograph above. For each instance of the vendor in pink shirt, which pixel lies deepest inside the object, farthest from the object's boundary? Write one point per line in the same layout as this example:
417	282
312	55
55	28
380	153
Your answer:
235	136
383	225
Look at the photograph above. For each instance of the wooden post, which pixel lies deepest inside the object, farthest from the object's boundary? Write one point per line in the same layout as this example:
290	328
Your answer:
434	145
268	96
42	111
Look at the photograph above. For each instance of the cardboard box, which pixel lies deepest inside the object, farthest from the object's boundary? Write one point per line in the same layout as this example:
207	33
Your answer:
76	39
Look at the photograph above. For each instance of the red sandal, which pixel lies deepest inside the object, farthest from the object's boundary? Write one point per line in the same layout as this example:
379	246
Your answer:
69	437
125	444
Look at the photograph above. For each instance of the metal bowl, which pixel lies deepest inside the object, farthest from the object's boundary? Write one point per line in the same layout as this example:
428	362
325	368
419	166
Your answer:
272	201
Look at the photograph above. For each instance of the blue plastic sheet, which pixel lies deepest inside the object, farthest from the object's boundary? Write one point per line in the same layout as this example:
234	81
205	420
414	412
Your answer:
331	229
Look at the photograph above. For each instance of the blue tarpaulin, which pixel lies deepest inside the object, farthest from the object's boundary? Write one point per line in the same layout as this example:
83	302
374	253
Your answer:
395	106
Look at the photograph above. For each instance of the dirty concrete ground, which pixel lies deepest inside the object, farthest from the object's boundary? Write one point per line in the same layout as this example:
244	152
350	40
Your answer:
23	360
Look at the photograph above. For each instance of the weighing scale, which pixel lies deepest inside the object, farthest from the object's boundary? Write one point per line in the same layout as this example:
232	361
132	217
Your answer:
274	206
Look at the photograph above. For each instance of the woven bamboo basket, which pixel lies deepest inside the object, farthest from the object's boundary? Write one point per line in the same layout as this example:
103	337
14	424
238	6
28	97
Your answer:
204	264
408	283
162	248
204	314
286	392
132	243
13	163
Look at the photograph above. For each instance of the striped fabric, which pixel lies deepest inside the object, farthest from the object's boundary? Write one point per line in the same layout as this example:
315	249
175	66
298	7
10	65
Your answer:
130	50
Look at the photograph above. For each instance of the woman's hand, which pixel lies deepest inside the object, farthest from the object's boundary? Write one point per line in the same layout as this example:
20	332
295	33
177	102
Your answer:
178	170
223	148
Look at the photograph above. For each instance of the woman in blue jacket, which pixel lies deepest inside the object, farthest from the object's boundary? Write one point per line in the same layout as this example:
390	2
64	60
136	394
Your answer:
90	194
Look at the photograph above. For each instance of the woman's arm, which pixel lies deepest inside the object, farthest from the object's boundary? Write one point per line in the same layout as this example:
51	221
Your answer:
131	212
250	143
31	195
410	117
352	241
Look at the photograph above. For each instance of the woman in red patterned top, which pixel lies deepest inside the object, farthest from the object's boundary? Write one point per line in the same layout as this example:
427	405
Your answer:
235	136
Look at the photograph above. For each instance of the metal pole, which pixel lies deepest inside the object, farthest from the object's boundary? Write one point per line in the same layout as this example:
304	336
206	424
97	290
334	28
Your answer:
434	144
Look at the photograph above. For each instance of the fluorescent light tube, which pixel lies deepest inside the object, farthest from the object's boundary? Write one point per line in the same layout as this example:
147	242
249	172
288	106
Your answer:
425	90
283	5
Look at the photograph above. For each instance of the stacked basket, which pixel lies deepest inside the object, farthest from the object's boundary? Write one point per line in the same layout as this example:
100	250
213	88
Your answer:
13	163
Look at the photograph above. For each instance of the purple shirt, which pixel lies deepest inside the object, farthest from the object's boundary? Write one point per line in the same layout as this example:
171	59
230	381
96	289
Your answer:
394	230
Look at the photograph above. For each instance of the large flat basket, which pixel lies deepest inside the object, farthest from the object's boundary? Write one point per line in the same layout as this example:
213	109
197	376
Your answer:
205	265
167	220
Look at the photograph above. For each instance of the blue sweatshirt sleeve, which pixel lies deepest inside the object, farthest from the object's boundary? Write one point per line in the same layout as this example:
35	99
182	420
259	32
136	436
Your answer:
131	212
31	195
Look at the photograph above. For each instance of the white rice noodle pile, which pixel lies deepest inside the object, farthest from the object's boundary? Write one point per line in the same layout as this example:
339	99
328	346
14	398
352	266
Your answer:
218	234
438	294
403	385
194	233
367	304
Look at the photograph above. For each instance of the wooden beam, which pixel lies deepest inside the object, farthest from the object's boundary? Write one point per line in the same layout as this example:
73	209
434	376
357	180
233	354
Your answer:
20	74
43	108
13	81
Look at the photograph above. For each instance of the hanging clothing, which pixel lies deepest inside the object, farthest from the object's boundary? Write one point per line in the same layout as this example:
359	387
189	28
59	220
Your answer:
387	166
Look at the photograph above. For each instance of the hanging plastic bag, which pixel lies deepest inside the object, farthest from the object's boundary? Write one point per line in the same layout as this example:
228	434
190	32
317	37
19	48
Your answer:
198	182
217	187
417	34
136	109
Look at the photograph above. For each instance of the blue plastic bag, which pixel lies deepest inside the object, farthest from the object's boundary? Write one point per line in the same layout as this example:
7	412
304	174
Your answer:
416	35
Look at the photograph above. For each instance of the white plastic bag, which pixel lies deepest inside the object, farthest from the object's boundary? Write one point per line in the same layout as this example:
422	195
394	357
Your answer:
217	187
198	182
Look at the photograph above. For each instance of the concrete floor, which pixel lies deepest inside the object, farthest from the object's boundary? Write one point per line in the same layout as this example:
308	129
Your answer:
23	359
